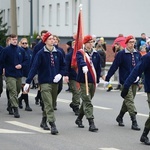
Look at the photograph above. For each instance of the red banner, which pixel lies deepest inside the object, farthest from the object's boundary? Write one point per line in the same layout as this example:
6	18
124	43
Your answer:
78	41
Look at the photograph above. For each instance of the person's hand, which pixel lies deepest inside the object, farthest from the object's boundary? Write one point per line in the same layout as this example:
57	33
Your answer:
18	66
85	69
26	87
66	79
97	84
57	78
124	92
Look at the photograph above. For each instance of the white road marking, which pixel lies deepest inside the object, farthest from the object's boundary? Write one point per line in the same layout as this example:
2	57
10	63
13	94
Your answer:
14	131
69	101
98	107
141	93
104	108
108	149
23	125
143	115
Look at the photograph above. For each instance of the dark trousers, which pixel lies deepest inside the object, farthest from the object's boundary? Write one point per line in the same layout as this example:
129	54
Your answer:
1	84
147	123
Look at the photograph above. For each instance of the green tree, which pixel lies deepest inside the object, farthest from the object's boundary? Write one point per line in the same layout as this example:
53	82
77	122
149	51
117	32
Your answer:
3	30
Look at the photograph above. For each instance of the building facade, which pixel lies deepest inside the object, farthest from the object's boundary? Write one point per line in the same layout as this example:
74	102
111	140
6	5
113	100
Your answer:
105	18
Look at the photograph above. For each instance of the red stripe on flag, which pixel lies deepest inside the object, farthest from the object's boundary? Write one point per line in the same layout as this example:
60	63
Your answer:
78	41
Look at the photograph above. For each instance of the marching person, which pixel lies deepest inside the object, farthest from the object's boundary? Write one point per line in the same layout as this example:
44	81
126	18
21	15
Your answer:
1	74
126	60
37	48
60	84
141	67
70	78
50	65
24	96
88	62
14	60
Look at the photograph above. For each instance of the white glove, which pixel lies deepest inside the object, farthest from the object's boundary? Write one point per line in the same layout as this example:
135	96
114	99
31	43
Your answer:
137	79
26	87
85	69
57	78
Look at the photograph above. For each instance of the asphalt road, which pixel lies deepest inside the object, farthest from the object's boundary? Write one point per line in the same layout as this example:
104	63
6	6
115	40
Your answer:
25	134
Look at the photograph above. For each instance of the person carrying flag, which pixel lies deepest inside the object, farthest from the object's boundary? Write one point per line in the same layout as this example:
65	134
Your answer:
88	63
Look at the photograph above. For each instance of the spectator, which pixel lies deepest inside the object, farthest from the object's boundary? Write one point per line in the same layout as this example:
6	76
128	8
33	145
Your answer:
141	41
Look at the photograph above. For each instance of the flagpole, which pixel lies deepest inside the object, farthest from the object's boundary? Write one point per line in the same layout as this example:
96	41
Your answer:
86	78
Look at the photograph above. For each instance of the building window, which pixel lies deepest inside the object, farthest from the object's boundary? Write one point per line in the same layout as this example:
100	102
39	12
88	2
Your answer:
18	16
50	15
58	15
43	15
67	13
75	12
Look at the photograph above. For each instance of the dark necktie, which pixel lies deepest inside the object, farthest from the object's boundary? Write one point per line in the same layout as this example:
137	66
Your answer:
133	60
52	59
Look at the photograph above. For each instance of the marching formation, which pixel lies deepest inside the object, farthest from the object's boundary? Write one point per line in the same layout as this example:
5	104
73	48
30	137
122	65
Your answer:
19	66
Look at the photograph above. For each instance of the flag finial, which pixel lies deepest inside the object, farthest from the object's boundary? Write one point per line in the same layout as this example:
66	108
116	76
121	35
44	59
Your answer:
80	6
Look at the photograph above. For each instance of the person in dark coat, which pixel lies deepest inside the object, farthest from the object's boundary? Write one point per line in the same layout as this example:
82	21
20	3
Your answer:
13	60
50	65
141	67
125	61
60	85
89	65
1	74
24	96
70	78
141	41
36	49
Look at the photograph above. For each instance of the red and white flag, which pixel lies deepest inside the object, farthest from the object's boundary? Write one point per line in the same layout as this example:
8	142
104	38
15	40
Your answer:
78	40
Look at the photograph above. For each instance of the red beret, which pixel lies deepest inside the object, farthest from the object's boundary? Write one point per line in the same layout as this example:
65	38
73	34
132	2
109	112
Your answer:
87	38
128	38
45	37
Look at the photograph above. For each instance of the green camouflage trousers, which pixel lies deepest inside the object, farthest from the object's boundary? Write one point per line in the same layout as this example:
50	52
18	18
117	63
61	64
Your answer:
75	92
86	105
13	85
49	96
128	103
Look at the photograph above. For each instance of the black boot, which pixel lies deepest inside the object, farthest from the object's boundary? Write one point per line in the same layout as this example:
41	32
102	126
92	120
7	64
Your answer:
55	106
92	126
44	124
26	99
75	108
9	108
38	97
53	128
118	87
134	123
79	121
20	101
16	112
119	119
42	105
144	137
